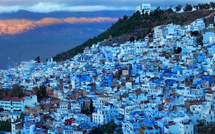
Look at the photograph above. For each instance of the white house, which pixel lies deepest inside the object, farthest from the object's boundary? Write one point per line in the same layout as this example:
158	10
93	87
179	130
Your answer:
186	127
212	38
64	105
75	107
30	100
129	127
13	104
209	117
144	8
100	117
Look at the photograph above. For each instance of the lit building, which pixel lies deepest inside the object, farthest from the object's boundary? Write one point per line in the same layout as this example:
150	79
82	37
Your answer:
100	117
186	127
12	104
144	8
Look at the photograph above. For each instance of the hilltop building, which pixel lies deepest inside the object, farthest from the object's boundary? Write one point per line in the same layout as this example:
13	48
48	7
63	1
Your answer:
144	8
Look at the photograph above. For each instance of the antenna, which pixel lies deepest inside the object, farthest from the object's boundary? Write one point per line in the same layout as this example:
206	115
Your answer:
15	63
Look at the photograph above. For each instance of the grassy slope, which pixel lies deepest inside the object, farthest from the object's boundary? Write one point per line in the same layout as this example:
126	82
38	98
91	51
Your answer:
138	26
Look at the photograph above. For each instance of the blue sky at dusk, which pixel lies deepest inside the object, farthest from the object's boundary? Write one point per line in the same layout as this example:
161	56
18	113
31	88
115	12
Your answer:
85	5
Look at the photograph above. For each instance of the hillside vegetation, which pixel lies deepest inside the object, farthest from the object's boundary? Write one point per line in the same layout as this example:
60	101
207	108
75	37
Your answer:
137	26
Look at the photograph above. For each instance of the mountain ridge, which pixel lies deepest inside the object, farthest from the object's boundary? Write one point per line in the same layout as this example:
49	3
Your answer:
16	26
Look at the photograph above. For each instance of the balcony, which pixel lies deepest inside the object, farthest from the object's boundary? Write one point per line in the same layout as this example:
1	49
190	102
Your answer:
5	104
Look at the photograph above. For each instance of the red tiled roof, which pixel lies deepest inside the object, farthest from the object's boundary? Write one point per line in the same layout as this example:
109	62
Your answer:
53	99
156	127
5	99
171	123
12	99
166	126
97	94
145	102
16	99
158	118
171	99
210	92
195	101
44	99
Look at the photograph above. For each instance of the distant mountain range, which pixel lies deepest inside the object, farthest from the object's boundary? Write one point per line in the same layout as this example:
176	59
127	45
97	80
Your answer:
15	26
25	35
22	14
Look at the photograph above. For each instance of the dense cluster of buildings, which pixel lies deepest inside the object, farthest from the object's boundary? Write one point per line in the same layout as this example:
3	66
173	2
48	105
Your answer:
164	84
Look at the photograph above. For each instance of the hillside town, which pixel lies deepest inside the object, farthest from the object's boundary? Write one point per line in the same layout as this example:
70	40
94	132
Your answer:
163	84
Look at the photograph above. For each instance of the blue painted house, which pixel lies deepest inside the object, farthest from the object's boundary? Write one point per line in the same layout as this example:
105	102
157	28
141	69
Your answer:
107	81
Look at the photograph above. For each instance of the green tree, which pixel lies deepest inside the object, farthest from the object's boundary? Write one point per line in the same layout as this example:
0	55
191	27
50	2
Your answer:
196	7
200	6
200	39
109	128
85	111
6	93
1	92
125	17
178	8
131	39
97	130
41	92
157	11
17	91
169	10
207	6
120	20
37	59
194	33
178	50
119	131
35	90
203	6
5	126
91	106
212	5
188	7
22	117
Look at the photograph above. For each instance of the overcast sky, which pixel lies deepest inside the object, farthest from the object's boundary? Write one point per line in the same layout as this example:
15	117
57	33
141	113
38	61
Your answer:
85	5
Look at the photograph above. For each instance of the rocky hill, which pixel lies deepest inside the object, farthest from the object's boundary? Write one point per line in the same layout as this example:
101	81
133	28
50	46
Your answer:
138	26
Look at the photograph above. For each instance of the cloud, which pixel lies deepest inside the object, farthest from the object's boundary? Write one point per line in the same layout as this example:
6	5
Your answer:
9	9
84	5
50	7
